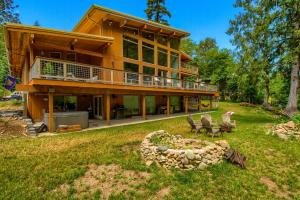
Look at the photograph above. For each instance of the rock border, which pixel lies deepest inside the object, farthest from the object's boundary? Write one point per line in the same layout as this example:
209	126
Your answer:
197	158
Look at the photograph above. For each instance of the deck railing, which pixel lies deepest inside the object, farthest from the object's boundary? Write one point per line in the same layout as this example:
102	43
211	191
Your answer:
189	68
53	69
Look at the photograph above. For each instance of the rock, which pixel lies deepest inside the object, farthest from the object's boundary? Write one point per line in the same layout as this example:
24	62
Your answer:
190	155
162	148
282	136
290	125
185	161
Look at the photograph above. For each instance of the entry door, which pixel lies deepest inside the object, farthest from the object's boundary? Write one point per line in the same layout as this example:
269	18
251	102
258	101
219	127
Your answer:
98	107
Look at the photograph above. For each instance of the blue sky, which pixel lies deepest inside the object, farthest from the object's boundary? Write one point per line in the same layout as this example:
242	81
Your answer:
203	18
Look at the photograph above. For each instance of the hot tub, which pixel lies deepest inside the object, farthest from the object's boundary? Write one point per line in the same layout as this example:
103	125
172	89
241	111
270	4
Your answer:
68	118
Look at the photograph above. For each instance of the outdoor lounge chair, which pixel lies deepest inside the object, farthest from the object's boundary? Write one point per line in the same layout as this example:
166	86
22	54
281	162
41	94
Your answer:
227	121
194	126
209	118
210	130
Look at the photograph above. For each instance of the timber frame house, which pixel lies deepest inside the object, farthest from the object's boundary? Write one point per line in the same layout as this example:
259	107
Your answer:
111	65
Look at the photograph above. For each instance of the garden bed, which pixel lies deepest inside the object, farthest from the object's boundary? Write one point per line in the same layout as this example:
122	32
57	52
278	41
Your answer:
173	151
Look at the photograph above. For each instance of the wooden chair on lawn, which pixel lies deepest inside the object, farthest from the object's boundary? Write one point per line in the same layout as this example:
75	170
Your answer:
210	129
194	126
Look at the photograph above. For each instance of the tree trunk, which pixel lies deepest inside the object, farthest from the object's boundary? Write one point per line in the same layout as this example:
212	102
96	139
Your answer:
267	94
291	107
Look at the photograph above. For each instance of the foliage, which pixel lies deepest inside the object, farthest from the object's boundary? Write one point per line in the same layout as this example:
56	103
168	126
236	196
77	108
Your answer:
296	119
7	12
156	11
36	23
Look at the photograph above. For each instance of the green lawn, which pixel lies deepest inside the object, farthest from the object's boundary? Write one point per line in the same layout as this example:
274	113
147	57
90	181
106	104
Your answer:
36	168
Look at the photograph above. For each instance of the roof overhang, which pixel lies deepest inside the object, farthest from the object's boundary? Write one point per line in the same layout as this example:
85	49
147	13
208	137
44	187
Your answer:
19	38
95	13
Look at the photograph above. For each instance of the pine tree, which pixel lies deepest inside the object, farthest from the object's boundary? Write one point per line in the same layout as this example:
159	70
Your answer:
36	23
156	11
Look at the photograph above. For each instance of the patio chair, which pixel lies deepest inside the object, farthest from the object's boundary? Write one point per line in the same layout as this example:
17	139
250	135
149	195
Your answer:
227	121
194	126
209	118
210	130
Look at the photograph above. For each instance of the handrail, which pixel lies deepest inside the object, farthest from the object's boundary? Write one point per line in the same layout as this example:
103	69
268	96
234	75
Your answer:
48	68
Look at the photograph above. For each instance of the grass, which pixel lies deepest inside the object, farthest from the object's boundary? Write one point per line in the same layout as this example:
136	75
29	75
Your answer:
34	168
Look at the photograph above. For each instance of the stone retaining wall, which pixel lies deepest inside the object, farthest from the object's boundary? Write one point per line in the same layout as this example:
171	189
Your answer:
184	153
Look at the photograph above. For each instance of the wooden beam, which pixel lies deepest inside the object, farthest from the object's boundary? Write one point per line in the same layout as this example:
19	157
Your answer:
77	50
123	23
51	118
25	111
144	107
186	103
32	38
107	106
168	105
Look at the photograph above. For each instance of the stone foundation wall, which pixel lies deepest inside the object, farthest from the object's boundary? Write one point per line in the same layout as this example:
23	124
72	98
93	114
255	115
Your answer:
180	157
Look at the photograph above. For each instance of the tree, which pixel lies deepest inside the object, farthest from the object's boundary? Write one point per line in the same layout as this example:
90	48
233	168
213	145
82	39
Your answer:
189	47
36	23
156	11
7	12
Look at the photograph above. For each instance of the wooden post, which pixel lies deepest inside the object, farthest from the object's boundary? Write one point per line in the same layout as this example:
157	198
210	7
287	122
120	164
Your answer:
25	112
107	109
144	107
51	120
168	105
186	102
199	103
210	103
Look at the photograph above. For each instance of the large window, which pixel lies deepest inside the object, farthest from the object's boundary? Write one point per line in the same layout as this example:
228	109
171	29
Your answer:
174	43
148	35
149	71
131	104
174	60
65	103
162	57
150	102
130	48
148	53
131	76
174	75
161	39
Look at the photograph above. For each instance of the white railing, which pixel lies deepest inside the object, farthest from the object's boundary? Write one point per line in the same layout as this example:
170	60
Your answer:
52	69
189	68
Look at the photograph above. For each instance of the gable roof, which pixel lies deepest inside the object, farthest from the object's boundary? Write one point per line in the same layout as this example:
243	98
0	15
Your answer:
139	22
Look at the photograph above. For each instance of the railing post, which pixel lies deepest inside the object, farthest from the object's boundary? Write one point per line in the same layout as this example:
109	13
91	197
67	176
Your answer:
125	77
112	76
91	73
65	70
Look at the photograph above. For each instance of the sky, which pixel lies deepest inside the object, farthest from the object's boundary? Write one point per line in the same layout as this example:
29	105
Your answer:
202	18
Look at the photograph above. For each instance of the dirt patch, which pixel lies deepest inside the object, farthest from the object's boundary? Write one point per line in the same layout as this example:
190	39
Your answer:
162	193
272	187
108	179
12	127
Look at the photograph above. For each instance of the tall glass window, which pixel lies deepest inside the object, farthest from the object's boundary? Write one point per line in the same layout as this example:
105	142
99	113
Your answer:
174	43
161	39
130	48
131	76
162	57
174	60
148	53
149	71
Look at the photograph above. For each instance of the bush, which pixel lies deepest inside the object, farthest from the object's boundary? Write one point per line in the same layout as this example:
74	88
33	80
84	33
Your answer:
296	119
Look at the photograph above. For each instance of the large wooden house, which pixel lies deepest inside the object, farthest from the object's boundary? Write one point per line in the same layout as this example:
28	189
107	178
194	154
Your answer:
111	65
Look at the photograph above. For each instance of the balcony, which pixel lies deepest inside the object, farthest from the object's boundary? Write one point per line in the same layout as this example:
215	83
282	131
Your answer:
189	68
52	69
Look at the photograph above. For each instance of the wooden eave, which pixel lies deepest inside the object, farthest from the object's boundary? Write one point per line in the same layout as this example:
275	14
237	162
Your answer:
19	38
185	56
97	13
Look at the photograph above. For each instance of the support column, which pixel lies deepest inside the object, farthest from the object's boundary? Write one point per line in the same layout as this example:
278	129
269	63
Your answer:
107	106
186	106
168	105
210	103
144	107
51	120
25	111
199	106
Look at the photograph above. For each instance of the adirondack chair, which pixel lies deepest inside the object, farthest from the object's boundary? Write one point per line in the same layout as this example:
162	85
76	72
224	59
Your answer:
209	118
227	121
194	126
210	130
